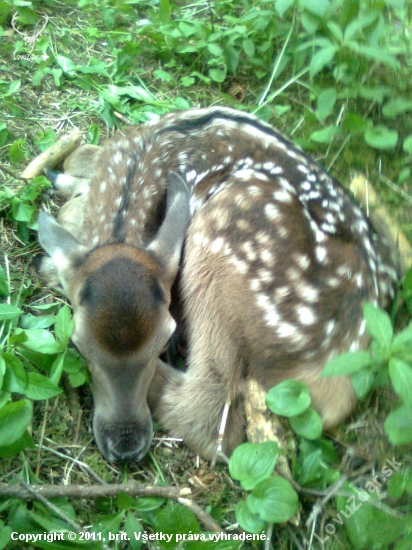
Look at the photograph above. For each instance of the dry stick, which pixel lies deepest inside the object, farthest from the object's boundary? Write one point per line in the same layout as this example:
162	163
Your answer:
91	492
37	496
262	425
54	154
382	221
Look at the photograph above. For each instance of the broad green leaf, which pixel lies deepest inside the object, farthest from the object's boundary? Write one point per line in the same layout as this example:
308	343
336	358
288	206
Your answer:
282	6
36	321
347	363
396	106
381	137
249	47
39	387
250	463
288	398
367	526
402	344
218	75
379	326
407	144
63	326
132	526
24	442
175	519
250	522
274	500
15	377
398	426
77	379
215	49
18	150
22	211
14	420
362	382
308	424
316	7
5	536
7	311
401	378
326	134
326	103
40	340
66	64
321	59
311	468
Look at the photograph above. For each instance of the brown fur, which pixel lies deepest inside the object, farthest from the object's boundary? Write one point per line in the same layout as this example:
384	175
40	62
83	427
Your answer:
277	265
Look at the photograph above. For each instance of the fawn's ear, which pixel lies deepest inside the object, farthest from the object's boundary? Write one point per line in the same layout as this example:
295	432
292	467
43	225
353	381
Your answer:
64	250
168	243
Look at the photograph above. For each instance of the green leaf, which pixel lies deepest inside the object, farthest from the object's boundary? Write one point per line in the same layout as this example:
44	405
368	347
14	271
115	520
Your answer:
218	75
56	370
402	344
5	536
326	134
215	49
307	424
316	7
4	287
407	144
396	106
274	500
63	327
175	519
249	47
7	311
132	526
362	382
288	398
398	426
77	379
15	377
40	340
367	526
24	442
250	463
18	151
381	137
282	6
326	103
247	520
379	326
66	64
23	211
14	420
39	387
401	377
347	363
2	370
311	468
321	59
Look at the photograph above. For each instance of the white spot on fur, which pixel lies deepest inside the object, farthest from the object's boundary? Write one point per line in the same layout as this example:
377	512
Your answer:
306	315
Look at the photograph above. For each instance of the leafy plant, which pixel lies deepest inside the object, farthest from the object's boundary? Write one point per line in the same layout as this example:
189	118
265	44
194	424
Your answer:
389	358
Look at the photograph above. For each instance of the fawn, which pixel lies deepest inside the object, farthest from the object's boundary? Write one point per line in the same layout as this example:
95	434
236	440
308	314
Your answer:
275	262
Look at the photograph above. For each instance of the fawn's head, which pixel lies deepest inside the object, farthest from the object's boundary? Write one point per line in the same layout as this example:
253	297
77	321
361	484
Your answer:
120	297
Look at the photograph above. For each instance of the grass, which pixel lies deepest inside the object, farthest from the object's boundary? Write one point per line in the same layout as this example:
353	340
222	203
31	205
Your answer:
113	63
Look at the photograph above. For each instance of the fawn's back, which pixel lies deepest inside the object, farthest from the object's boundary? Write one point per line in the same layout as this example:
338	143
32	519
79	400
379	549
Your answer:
277	264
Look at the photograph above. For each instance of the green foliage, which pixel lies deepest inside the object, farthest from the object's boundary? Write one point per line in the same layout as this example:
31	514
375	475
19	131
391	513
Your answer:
389	358
272	499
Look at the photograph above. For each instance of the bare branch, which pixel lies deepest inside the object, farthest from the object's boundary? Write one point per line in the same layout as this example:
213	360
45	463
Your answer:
92	492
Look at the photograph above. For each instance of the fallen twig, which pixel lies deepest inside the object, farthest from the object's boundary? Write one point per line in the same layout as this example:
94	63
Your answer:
92	492
53	155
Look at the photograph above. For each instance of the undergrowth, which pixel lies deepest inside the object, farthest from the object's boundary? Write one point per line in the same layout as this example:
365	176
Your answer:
333	75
